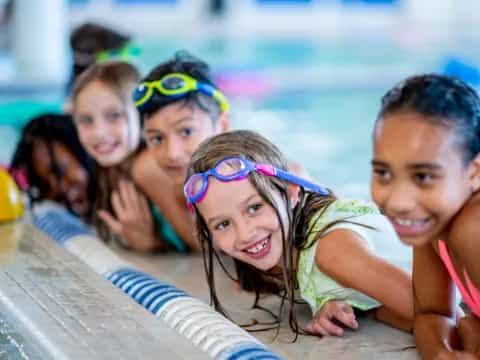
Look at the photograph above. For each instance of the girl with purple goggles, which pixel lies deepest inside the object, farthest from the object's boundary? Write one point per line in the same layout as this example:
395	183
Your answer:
237	168
281	239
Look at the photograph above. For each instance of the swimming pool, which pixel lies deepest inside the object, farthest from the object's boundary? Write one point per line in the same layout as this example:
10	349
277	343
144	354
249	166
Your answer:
317	100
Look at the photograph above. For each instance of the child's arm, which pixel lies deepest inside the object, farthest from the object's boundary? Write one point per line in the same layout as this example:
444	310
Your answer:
344	256
157	186
434	301
469	332
465	248
390	317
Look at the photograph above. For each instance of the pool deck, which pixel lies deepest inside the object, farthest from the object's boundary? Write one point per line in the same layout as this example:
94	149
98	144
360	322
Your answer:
52	306
372	341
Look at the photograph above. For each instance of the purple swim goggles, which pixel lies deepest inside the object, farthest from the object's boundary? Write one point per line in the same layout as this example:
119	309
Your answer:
236	168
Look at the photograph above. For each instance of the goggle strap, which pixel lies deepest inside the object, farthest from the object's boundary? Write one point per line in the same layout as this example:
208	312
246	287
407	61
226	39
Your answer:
266	169
302	182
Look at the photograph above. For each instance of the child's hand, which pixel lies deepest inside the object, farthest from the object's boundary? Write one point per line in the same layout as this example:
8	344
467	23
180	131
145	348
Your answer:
326	319
456	355
468	329
133	219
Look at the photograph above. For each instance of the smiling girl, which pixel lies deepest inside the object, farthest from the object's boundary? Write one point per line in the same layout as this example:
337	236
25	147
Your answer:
426	179
285	232
50	163
109	129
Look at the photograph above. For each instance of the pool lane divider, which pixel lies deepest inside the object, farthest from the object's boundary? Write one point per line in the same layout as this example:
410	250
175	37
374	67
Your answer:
205	328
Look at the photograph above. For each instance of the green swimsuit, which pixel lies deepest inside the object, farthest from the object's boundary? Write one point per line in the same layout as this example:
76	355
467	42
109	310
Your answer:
166	231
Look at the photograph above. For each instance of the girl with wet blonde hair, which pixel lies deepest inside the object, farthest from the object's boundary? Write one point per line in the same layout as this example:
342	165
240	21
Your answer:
285	234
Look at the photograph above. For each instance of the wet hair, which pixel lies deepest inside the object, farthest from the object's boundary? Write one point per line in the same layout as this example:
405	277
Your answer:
185	63
87	40
48	128
252	146
441	100
121	78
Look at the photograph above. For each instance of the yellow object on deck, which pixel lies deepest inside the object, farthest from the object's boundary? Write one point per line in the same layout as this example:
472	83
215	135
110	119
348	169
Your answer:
11	201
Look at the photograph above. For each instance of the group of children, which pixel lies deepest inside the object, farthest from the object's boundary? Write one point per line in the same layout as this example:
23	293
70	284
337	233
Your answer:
139	156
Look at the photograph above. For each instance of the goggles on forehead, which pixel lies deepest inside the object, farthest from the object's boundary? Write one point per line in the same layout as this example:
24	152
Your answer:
176	86
125	53
236	168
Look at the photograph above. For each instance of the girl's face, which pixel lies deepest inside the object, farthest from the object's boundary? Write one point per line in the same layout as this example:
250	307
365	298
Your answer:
108	127
70	185
242	224
174	132
419	177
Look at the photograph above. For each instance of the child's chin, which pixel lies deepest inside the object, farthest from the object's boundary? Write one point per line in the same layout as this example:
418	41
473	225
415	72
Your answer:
266	265
110	160
414	241
79	208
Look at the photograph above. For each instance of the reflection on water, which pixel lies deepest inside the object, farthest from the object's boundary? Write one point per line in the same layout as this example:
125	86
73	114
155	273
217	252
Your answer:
13	346
11	343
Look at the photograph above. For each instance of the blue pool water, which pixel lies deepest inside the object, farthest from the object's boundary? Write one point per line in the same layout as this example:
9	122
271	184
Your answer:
316	100
328	134
321	98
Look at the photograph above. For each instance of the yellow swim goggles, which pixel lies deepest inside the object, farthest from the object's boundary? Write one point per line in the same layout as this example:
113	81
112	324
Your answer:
176	86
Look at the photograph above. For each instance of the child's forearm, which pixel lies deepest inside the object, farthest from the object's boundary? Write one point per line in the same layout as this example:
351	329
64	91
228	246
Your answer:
468	329
434	334
387	316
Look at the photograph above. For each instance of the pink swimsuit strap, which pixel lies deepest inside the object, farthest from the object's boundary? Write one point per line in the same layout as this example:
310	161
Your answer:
471	295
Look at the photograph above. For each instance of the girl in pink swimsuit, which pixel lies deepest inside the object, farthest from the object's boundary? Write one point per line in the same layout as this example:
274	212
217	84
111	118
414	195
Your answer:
426	179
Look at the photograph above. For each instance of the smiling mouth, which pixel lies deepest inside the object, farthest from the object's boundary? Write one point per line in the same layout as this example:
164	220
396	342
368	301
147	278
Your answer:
77	201
259	249
104	149
410	227
80	208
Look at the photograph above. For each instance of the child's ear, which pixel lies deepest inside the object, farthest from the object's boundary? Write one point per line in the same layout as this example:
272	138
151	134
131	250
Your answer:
293	190
223	122
474	173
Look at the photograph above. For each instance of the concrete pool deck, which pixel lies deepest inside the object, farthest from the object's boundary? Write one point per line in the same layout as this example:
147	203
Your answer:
372	341
53	306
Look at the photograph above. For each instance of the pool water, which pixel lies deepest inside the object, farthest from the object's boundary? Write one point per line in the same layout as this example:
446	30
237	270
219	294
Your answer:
316	100
12	344
328	134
